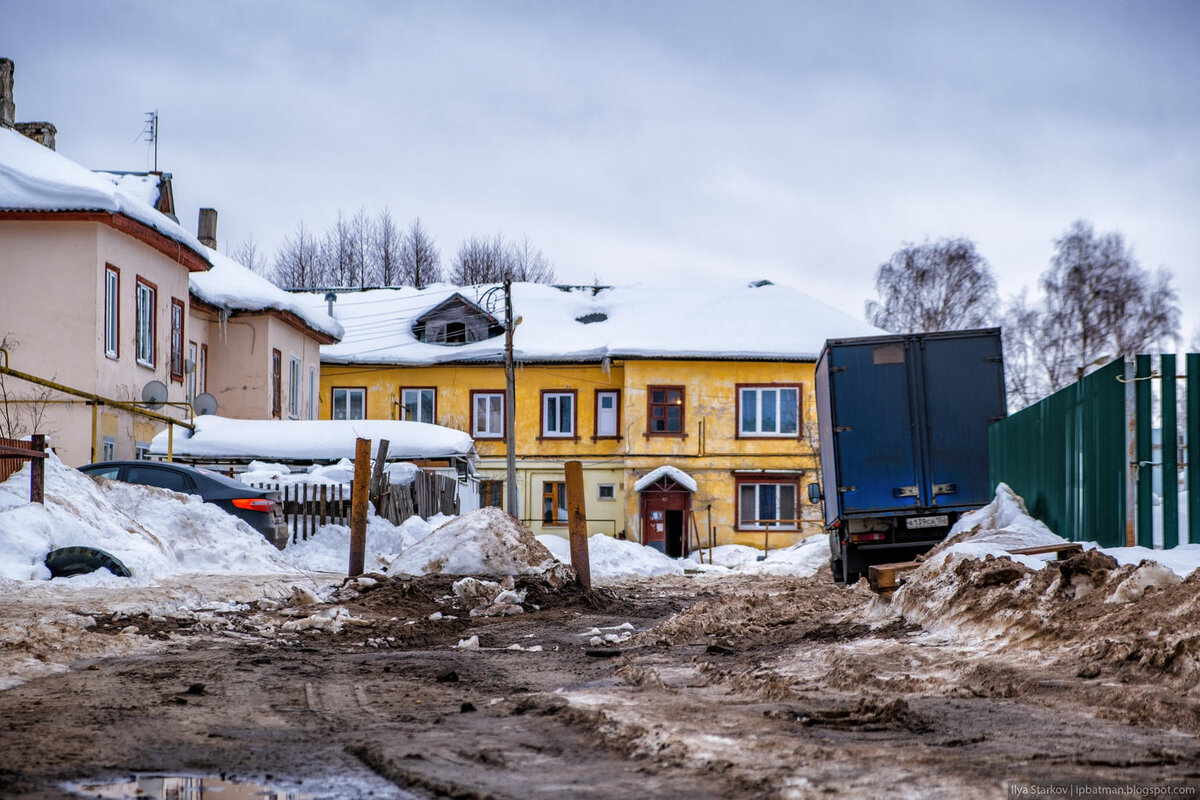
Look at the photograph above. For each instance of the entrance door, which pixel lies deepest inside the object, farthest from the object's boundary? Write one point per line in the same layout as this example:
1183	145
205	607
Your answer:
665	516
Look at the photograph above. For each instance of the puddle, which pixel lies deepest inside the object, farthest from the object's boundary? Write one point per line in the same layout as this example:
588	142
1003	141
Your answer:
185	787
211	787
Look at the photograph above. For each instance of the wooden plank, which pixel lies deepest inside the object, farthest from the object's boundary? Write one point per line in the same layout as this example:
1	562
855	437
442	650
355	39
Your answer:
20	452
1066	548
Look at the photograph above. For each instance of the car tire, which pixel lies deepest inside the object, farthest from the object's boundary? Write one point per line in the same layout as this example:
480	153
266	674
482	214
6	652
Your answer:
67	561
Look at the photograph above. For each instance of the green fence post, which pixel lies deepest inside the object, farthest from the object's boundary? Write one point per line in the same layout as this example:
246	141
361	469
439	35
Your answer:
1145	454
1170	453
1193	446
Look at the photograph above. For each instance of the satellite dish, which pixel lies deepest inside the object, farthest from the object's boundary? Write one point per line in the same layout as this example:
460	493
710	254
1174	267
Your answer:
154	394
204	404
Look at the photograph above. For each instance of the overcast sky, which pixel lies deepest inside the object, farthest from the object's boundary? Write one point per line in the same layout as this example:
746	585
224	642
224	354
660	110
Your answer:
799	142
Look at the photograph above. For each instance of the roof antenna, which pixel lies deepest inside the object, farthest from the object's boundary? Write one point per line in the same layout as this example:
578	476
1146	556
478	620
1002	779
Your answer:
151	132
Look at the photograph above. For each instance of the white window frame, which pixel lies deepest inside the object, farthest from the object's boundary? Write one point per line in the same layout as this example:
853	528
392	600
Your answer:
347	392
425	400
190	376
141	451
602	417
147	310
294	386
481	412
612	492
756	512
552	422
112	312
752	397
108	448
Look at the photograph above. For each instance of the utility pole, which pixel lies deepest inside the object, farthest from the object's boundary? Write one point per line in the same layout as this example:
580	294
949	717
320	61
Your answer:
510	396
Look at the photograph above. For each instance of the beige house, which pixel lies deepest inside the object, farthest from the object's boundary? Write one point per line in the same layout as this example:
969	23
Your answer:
96	294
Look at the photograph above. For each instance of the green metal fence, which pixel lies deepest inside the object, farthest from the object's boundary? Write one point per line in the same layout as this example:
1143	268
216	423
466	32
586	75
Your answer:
1085	461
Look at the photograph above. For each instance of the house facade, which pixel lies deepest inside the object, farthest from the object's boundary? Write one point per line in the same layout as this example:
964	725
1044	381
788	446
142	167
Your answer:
691	410
98	297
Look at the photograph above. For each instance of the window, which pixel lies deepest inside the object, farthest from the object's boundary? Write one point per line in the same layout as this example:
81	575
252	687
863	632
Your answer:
147	322
112	312
664	409
608	414
312	392
349	404
162	477
606	491
772	410
455	333
295	383
202	381
763	504
487	415
108	449
193	353
554	503
491	493
177	313
141	451
558	414
418	404
276	384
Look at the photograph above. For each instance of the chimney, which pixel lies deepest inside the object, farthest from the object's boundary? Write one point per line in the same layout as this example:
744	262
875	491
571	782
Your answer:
41	132
206	230
8	111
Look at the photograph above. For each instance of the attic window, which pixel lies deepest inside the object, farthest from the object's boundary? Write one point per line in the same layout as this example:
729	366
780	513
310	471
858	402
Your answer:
455	333
760	284
595	316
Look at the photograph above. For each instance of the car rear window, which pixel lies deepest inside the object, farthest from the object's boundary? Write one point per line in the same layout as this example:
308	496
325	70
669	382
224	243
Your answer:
156	476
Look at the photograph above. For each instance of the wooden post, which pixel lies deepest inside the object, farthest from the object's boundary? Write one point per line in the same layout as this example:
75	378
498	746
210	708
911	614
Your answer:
358	501
379	484
37	470
577	522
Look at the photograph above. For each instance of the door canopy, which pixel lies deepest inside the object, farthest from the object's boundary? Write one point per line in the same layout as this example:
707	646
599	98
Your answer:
666	478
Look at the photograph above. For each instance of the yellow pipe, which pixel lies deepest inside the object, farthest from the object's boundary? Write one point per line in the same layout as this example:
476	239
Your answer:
97	399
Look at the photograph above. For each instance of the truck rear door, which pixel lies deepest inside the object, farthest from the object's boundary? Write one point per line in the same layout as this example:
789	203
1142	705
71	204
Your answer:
878	463
961	372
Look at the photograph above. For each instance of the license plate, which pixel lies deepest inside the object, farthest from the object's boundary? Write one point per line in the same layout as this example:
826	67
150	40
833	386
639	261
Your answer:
928	522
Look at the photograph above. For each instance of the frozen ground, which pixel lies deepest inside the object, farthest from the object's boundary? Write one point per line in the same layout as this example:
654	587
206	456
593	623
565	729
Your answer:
740	678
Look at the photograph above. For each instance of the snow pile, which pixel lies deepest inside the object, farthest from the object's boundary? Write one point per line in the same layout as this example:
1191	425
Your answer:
154	532
486	541
328	549
730	556
613	559
400	473
1002	525
490	599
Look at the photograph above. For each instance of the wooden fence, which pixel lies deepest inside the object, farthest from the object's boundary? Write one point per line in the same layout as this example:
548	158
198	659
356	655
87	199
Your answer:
13	455
306	507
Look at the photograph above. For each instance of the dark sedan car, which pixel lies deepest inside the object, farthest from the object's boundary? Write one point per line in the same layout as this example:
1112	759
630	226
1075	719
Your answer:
260	509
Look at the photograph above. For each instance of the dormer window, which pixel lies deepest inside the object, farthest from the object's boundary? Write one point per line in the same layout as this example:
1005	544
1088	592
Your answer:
455	321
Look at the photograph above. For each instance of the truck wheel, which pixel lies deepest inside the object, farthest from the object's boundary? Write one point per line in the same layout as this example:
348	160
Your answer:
67	561
835	565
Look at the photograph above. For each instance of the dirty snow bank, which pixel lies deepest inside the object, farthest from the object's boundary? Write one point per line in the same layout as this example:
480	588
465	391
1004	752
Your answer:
487	541
801	560
1088	608
154	532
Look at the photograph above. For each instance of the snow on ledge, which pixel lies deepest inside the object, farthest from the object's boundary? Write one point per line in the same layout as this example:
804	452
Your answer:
316	440
674	473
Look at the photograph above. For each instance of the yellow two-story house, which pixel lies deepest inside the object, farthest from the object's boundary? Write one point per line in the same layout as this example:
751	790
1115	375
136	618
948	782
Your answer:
691	408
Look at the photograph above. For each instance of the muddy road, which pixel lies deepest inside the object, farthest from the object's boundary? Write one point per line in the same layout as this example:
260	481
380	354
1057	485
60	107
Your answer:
673	688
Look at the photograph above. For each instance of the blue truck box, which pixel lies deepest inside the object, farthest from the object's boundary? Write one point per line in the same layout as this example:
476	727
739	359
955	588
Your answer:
903	427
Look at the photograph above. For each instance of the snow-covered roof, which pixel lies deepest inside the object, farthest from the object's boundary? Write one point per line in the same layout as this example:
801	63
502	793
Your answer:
233	287
36	178
710	319
666	471
311	440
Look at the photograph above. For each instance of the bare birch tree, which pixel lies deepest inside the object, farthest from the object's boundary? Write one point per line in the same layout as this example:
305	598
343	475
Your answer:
420	262
362	262
1100	304
249	256
935	286
480	260
297	261
386	247
529	264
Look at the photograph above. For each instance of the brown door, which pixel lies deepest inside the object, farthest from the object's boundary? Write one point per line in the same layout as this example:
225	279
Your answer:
664	520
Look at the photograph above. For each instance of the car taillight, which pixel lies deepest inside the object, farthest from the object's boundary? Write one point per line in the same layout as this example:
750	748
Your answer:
868	537
255	504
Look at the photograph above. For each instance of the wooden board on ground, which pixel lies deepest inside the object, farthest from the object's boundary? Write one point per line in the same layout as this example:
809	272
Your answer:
887	578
